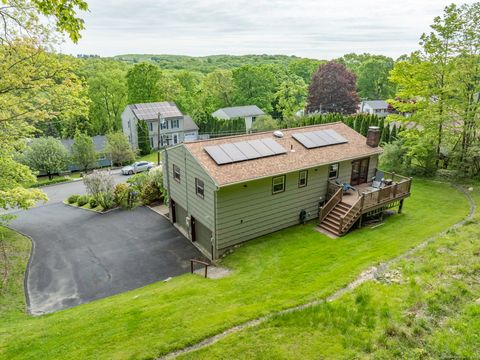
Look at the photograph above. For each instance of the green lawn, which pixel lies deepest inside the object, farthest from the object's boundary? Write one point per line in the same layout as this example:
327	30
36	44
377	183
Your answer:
280	270
152	157
430	311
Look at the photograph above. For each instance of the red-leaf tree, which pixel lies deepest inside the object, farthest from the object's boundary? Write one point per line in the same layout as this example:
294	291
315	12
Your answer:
333	89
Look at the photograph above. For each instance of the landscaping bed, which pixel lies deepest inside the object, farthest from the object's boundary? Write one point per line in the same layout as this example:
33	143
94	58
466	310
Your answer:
277	271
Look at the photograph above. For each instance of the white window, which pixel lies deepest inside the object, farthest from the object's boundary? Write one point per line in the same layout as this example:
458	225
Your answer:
175	124
176	173
150	126
199	187
278	184
151	141
302	178
164	124
333	171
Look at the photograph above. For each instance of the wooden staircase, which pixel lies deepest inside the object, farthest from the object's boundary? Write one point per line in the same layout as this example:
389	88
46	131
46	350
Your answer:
332	222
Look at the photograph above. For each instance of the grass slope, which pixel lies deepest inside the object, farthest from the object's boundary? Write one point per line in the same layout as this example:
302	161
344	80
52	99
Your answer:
428	308
280	270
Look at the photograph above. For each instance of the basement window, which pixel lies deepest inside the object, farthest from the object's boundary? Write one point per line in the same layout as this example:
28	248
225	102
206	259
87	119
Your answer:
302	178
278	184
199	187
176	173
333	171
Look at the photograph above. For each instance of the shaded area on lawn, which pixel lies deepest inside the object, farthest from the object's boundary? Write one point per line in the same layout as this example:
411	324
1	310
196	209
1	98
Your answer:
276	271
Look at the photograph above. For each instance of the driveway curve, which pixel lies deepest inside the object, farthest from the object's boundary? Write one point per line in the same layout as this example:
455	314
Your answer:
80	256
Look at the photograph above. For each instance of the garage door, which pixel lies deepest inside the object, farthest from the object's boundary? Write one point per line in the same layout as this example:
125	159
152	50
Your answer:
181	217
202	235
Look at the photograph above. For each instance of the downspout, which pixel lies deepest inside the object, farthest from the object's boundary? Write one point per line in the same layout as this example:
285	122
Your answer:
214	252
168	185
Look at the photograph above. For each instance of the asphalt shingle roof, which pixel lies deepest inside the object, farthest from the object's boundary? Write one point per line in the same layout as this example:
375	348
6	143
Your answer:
377	104
298	159
238	112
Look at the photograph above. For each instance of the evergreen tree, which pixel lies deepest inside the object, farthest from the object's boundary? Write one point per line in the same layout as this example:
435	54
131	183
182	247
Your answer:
143	138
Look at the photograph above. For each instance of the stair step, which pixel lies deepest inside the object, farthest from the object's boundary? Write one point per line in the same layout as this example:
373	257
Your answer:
337	212
334	224
329	229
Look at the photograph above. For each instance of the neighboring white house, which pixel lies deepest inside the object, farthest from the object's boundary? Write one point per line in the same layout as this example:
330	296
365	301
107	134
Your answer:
176	127
374	107
248	112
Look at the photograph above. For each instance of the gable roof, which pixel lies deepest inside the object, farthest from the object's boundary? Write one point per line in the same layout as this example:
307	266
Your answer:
238	112
99	141
300	158
377	104
189	124
150	111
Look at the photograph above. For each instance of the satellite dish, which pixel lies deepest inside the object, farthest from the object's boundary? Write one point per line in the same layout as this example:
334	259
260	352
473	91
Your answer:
278	134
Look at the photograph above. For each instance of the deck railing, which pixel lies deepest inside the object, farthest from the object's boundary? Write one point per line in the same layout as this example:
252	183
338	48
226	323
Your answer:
347	220
399	188
333	201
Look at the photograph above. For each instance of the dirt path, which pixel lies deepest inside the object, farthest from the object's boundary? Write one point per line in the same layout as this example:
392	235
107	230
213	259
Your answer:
367	275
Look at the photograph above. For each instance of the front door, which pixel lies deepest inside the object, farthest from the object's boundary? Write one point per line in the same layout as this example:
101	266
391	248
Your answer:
359	171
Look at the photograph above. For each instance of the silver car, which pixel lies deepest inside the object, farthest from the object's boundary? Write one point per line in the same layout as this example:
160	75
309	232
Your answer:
137	167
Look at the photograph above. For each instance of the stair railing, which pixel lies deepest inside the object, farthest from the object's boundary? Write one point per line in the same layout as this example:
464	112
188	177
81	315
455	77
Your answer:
330	204
347	220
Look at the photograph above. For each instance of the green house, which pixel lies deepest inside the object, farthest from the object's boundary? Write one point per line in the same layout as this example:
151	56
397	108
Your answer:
226	191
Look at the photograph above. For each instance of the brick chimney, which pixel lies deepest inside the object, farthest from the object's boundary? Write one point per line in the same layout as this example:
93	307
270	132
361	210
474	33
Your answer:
373	136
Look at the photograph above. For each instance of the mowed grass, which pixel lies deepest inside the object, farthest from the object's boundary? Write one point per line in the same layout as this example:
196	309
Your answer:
152	157
427	307
277	271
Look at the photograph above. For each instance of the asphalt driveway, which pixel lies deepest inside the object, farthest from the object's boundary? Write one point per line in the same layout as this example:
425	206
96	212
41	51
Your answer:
80	256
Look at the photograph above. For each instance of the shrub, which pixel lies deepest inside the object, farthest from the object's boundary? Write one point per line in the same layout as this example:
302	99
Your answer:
100	186
82	200
150	193
73	199
120	193
93	203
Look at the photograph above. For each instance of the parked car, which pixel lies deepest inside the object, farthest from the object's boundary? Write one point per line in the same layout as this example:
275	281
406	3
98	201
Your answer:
137	167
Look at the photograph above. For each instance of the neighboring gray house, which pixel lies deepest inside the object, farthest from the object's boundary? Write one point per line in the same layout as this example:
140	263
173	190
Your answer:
100	142
176	128
374	107
226	191
249	113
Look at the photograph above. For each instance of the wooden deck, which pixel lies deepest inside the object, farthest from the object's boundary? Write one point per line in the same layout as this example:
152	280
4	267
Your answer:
342	210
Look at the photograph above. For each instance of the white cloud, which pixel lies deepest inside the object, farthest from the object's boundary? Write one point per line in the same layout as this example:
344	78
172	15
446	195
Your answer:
314	28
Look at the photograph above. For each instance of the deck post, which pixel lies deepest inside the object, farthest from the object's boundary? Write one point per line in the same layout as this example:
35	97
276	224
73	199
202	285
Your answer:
360	222
400	207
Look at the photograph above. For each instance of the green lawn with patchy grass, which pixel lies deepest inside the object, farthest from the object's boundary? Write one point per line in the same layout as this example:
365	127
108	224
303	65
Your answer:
426	306
276	271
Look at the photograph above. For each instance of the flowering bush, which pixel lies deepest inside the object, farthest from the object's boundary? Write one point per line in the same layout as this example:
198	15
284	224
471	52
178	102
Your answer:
100	186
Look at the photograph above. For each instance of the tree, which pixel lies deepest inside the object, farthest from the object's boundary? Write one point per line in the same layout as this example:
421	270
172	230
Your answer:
264	123
372	78
47	156
333	89
217	91
119	149
256	85
107	90
143	138
83	151
28	78
291	96
304	68
142	82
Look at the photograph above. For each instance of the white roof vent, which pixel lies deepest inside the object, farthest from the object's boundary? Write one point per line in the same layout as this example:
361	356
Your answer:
278	134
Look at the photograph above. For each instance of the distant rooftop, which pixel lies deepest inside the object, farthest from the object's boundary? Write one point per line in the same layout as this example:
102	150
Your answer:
377	104
189	124
238	112
150	111
99	141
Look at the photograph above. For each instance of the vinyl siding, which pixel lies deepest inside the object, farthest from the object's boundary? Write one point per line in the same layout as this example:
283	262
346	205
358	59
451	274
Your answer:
244	213
183	192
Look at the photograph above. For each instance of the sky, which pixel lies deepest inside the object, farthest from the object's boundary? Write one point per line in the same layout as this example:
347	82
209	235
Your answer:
321	29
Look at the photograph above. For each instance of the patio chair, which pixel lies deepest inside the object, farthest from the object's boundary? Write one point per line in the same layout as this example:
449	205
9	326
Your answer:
378	180
345	187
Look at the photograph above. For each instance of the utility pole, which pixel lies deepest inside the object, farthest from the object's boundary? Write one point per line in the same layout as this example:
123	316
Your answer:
161	121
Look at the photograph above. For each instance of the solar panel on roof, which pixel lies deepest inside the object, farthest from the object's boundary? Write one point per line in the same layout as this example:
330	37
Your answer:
233	152
274	146
248	150
244	150
315	139
218	155
261	148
